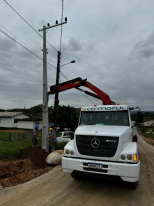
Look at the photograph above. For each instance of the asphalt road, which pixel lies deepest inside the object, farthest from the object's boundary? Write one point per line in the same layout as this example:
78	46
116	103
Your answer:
57	188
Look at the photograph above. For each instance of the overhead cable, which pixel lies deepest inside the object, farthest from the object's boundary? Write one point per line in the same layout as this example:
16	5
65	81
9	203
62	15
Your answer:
31	51
29	24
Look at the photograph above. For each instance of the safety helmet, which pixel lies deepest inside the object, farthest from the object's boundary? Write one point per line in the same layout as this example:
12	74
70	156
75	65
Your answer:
37	126
52	124
50	129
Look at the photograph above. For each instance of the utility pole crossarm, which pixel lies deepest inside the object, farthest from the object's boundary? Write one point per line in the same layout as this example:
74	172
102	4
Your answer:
53	26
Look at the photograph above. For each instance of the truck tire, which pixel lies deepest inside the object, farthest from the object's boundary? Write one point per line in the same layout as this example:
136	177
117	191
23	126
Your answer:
133	185
76	175
135	138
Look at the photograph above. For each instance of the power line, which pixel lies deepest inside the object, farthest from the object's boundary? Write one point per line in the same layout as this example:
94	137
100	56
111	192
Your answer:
38	34
81	92
35	29
31	51
68	68
18	39
69	73
71	68
28	23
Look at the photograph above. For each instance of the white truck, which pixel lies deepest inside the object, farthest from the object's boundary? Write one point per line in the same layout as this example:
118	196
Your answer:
105	142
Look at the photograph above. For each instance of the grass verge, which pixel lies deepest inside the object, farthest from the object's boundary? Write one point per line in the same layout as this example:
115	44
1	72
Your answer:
11	150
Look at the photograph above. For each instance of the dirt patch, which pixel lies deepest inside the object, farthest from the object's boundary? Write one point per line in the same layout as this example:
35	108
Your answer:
12	168
23	177
149	140
32	164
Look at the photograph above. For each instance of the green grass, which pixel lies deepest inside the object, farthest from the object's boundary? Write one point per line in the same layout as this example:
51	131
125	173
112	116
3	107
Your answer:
11	150
4	136
148	129
60	146
148	135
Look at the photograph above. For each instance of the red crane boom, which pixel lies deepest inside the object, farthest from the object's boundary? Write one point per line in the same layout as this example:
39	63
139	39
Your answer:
76	83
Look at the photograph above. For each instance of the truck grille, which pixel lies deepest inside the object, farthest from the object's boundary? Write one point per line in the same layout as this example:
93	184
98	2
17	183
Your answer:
107	145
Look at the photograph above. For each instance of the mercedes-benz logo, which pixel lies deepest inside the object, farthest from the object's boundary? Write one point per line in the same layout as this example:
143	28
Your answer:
95	143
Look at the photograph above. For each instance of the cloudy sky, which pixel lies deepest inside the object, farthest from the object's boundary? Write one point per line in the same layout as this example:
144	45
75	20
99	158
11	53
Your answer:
111	41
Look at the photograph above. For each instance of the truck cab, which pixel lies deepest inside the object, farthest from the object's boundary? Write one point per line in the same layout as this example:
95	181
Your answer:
105	142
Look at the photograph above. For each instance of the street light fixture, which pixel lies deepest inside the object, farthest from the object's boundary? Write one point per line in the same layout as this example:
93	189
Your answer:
73	61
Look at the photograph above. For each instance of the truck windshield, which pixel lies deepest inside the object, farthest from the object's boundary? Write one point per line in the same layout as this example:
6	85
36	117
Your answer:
119	118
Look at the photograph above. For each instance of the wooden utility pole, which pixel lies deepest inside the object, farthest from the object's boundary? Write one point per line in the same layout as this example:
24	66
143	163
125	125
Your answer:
56	95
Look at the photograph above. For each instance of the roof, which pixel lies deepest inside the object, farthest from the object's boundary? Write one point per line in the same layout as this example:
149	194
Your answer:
11	114
30	119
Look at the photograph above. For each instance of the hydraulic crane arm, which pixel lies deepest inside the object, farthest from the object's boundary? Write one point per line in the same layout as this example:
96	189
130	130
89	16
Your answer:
75	83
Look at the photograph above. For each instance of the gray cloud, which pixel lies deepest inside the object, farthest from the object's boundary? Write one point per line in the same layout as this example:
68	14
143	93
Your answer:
111	41
144	49
6	45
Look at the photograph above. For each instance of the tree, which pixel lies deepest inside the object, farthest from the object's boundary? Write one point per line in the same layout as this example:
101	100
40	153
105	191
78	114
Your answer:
64	117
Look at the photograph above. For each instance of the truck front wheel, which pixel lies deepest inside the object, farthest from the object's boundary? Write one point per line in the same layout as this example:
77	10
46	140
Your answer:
76	175
133	185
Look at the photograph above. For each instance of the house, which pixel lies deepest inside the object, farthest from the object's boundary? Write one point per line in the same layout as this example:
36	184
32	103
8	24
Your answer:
149	123
29	123
19	120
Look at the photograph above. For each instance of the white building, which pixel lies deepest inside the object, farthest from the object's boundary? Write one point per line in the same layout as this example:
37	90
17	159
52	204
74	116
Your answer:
149	123
29	123
18	120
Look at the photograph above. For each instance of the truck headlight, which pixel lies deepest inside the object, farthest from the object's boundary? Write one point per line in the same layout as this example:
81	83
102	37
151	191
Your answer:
72	152
129	157
123	157
67	152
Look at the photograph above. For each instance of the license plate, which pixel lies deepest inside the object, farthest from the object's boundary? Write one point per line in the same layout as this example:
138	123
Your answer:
95	165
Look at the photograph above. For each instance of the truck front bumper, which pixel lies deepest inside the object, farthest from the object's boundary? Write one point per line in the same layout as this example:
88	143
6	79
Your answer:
127	172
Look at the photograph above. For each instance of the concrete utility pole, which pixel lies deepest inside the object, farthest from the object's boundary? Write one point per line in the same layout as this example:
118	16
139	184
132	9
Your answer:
45	141
45	128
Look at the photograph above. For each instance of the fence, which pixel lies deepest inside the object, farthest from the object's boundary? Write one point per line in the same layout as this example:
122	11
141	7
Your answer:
21	136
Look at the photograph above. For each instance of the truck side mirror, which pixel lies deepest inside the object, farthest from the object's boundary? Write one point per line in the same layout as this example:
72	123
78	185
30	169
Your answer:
140	117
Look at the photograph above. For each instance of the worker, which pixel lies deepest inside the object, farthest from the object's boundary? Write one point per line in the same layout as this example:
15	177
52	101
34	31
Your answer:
35	136
72	135
109	120
50	131
53	136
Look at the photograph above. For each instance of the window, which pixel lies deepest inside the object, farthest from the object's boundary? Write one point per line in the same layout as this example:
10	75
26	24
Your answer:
15	120
105	118
59	135
67	135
